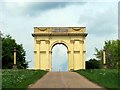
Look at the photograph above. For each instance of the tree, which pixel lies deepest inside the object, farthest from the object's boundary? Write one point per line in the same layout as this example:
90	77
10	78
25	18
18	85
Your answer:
8	44
99	55
93	64
111	49
1	49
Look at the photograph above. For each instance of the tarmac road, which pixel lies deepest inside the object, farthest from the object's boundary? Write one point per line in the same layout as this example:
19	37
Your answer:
64	80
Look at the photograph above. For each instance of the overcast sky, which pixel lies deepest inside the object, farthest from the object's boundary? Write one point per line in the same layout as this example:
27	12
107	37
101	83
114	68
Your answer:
99	18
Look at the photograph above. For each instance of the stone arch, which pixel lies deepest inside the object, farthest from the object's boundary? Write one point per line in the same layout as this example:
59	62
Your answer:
59	42
67	54
45	38
51	47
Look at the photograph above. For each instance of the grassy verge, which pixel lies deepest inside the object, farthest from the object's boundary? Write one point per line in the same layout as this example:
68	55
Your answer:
107	78
20	78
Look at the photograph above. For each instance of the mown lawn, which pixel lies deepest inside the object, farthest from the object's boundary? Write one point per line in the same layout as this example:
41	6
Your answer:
20	78
107	78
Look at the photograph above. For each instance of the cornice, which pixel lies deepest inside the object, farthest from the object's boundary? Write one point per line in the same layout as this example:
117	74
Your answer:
59	34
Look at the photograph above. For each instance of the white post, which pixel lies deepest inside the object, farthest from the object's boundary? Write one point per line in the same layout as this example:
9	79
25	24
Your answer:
14	56
14	66
104	57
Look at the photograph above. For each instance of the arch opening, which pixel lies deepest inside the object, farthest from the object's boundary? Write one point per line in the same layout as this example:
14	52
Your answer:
59	57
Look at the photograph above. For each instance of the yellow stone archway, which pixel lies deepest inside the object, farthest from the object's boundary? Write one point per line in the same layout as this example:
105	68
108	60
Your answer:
72	37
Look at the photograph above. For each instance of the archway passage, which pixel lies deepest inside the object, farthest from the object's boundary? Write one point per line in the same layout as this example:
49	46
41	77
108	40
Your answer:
59	58
45	38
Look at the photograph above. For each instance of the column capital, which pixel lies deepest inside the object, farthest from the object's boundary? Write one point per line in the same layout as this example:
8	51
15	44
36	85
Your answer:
68	52
84	51
38	41
81	41
72	41
47	41
50	51
35	51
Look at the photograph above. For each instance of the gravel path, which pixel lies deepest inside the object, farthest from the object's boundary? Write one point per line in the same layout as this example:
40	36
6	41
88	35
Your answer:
64	80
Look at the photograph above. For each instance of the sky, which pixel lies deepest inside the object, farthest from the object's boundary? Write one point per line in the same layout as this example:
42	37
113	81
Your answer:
100	18
60	59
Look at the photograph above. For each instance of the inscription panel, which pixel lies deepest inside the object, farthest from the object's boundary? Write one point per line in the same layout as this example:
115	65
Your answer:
58	29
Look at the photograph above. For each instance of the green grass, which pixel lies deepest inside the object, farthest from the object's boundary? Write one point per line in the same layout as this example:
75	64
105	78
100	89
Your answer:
107	78
20	78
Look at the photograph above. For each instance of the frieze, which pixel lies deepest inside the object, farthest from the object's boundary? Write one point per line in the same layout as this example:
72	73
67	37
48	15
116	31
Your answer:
42	28
76	28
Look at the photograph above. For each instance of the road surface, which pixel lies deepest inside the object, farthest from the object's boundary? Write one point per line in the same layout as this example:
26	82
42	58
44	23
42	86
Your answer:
64	80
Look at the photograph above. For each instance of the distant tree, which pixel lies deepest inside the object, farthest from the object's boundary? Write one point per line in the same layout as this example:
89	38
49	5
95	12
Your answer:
119	56
1	49
111	48
99	54
8	44
93	64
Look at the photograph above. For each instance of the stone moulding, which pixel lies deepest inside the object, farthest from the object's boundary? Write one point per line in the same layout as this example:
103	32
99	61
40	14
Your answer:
35	51
38	41
59	34
72	41
77	28
42	51
76	51
68	52
84	51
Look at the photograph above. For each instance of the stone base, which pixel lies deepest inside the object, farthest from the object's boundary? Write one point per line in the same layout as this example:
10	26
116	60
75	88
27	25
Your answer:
104	66
71	70
47	69
14	66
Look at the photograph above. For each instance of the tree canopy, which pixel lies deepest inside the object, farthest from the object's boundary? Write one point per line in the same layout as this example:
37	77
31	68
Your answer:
111	48
93	64
8	44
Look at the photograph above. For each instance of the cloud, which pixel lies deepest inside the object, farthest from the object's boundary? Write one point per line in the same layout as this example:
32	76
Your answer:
34	8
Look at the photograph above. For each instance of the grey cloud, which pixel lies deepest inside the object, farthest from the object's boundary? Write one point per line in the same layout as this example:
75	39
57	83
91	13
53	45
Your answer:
105	24
100	22
35	8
